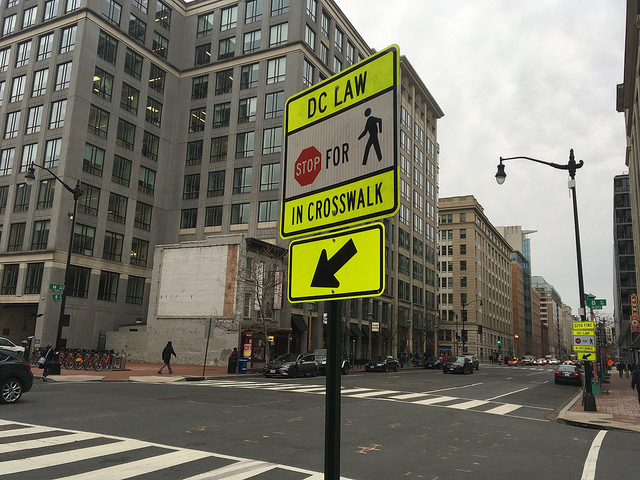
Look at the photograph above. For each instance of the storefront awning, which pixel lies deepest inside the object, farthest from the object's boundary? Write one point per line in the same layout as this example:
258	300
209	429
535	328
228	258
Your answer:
355	330
298	323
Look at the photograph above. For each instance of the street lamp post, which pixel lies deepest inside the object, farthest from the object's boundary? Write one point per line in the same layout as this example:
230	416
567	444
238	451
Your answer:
464	319
76	192
370	317
571	167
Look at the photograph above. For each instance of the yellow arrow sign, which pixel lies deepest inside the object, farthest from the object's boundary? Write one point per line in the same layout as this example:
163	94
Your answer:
345	264
583	348
587	356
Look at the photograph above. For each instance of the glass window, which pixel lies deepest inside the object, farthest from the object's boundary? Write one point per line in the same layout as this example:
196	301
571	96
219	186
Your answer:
252	41
129	98
307	73
23	53
312	8
45	46
221	114
34	120
276	69
108	287
203	54
324	53
133	64
197	119
16	237
239	213
139	252
219	149
253	11
6	161
112	249
226	48
163	14
199	87
189	218
125	136
337	65
13	123
194	152
160	45
17	88
272	140
4	195
9	24
137	28
117	210
338	39
213	216
146	180
46	192
58	110
102	84
23	192
72	5
191	186
150	145
278	34
141	5
2	86
9	279
52	152
33	279
247	110
121	172
79	281
63	76
325	24
4	58
88	202
310	37
93	160
205	25
135	290
40	234
274	105
107	47
29	156
215	184
112	10
268	211
249	76
270	177
351	53
229	18
245	144
278	7
242	180
68	39
153	113
142	219
156	78
50	10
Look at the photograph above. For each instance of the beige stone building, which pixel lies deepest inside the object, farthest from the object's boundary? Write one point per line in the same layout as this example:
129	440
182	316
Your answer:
536	349
475	281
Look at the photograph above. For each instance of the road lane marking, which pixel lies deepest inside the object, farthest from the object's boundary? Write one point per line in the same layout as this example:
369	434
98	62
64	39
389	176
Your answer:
503	409
431	401
45	442
407	396
469	404
375	393
509	393
589	471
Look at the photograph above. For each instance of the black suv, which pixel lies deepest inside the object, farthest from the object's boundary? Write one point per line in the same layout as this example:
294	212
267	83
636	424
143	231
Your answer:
15	376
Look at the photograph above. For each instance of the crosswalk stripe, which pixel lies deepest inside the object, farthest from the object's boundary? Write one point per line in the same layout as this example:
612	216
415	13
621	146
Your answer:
407	396
311	389
16	432
240	470
45	442
432	400
469	404
503	409
375	393
139	467
60	458
347	391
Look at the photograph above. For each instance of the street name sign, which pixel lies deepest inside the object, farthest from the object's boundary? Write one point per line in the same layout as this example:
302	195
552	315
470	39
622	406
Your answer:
341	148
583	348
596	303
344	264
56	288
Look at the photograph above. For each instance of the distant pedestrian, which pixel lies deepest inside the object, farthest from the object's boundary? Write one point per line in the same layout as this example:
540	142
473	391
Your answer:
620	367
635	381
166	357
49	356
630	368
233	361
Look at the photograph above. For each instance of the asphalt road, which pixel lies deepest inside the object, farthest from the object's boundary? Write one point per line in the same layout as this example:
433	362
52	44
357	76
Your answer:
496	424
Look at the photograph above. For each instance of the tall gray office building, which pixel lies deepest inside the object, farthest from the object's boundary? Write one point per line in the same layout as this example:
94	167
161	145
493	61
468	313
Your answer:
170	116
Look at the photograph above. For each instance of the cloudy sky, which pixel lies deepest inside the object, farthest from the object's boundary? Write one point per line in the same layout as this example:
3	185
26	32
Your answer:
533	78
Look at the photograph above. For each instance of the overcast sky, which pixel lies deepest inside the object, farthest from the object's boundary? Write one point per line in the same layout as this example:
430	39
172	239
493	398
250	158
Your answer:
532	78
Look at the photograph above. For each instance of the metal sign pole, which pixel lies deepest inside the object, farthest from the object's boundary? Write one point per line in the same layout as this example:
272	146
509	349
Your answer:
332	398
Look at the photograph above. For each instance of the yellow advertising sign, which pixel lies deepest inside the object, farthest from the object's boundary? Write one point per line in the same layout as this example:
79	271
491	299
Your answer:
583	348
583	325
344	264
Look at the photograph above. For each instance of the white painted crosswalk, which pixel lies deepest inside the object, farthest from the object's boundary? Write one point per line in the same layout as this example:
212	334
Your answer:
488	406
73	455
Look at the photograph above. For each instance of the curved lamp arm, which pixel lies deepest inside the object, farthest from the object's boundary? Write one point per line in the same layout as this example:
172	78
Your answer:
571	166
76	192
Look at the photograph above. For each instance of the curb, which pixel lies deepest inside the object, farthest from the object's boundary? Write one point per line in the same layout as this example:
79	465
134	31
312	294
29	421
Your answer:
594	425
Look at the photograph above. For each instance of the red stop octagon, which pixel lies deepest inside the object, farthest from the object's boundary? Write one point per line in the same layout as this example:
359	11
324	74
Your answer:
308	166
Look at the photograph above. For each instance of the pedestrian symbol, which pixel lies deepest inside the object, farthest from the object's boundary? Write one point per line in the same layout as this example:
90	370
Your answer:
372	127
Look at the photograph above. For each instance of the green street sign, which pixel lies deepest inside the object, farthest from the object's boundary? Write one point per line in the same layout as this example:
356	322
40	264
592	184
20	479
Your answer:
56	288
57	297
596	303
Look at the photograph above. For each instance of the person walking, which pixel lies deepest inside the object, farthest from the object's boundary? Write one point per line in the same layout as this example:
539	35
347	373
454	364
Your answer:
620	368
635	381
233	361
48	360
630	369
166	357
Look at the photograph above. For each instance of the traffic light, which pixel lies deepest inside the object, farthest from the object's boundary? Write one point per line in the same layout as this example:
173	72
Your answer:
498	341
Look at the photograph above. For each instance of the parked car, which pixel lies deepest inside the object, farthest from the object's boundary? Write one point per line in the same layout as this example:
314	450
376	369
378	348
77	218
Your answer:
321	360
291	365
515	362
528	360
382	363
458	365
432	362
568	374
7	344
474	360
16	377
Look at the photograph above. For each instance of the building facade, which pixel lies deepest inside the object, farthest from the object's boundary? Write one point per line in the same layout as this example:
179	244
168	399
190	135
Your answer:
550	314
170	115
475	282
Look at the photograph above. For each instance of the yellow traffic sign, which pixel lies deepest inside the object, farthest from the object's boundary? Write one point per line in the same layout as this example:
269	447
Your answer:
583	326
587	356
585	333
341	148
344	264
584	348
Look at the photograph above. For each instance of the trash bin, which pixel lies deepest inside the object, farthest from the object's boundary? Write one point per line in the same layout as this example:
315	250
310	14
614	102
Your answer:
242	364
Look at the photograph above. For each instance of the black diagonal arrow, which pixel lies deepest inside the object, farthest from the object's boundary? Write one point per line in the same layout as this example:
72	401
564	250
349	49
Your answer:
326	270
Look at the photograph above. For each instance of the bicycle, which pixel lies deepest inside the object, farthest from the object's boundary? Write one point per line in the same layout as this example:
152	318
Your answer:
105	361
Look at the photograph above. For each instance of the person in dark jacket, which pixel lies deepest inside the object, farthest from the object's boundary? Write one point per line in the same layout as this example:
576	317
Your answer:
635	381
166	357
233	361
621	368
48	359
